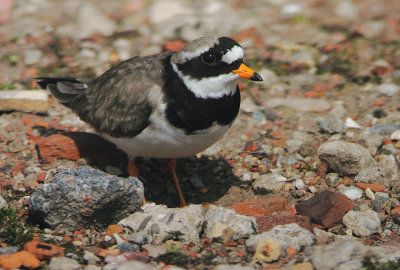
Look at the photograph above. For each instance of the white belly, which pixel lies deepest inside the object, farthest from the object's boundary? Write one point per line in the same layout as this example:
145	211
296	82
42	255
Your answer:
162	140
168	143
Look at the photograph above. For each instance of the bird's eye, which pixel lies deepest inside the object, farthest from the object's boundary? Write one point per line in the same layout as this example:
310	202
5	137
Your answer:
209	59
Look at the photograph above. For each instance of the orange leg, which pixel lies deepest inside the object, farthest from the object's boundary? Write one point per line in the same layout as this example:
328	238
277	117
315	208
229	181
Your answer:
172	166
133	171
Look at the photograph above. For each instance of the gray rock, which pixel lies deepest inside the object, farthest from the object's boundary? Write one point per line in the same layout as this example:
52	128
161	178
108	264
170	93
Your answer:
372	141
155	250
32	56
289	235
140	238
346	9
363	223
98	23
85	197
349	254
162	223
390	166
8	250
269	183
299	184
302	143
268	76
3	203
322	236
160	11
373	29
299	104
127	247
302	81
332	256
383	202
338	109
233	267
386	173
384	129
372	175
345	158
391	227
63	263
241	226
90	258
388	89
93	267
136	265
332	125
351	192
332	179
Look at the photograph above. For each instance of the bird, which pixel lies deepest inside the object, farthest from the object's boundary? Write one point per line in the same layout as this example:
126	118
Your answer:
168	105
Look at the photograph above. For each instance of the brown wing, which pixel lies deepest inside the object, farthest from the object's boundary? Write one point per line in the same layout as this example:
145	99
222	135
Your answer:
115	103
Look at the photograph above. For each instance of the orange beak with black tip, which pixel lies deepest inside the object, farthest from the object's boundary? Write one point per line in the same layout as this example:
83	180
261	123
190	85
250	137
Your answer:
247	73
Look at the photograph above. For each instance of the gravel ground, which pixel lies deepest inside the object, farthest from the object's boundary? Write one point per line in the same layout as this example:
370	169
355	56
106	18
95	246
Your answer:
308	177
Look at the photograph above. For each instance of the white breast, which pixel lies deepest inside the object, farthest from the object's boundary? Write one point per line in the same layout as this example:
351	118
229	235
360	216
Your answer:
158	142
162	140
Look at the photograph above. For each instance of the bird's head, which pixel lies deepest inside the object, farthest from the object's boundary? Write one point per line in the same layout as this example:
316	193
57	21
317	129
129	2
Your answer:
210	67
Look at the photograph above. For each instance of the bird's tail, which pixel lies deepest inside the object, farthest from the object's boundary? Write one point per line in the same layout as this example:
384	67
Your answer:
65	90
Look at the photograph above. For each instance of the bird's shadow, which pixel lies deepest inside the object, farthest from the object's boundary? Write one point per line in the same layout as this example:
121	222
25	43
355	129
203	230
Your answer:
202	179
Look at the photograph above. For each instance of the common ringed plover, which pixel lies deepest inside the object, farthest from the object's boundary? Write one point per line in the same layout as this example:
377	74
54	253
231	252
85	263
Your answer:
168	105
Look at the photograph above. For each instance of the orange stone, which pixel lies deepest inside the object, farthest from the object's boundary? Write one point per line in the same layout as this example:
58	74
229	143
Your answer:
114	228
373	187
43	250
396	210
291	251
249	209
18	259
174	45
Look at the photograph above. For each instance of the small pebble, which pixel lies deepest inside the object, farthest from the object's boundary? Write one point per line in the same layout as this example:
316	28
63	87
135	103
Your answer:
350	123
370	195
395	136
299	184
353	193
267	250
388	89
363	223
107	238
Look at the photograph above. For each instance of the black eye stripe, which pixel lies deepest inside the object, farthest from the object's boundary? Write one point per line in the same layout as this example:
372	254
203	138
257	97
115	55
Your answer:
196	69
201	67
209	58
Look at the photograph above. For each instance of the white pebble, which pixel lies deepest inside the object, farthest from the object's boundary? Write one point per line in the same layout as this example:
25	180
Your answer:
395	136
350	123
299	184
107	238
370	194
351	192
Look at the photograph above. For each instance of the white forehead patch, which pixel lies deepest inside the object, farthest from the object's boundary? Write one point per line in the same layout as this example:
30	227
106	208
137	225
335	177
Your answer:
210	87
191	55
233	54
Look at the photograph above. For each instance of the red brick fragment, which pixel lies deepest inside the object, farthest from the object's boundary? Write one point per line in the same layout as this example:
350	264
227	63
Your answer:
249	209
76	145
266	223
31	120
325	208
19	168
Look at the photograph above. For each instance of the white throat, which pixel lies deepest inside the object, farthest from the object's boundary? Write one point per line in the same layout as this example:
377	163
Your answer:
211	87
